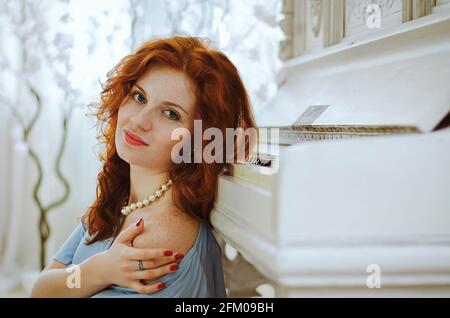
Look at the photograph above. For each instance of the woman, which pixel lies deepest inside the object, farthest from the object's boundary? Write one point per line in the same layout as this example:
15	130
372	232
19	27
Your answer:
148	234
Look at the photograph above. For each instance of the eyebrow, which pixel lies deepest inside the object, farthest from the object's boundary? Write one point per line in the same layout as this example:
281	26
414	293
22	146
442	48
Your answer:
164	102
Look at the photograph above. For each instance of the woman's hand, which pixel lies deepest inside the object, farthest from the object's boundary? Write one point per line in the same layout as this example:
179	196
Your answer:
119	264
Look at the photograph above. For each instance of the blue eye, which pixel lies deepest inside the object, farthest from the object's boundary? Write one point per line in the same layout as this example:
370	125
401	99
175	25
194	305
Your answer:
140	99
172	115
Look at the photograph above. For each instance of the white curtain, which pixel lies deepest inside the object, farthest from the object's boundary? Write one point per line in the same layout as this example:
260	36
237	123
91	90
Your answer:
69	46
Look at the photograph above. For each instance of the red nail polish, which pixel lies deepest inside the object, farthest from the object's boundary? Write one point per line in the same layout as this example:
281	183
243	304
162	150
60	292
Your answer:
179	256
174	267
160	286
168	253
139	222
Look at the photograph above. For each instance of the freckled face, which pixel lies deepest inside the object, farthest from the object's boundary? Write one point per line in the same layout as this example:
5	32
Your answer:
161	100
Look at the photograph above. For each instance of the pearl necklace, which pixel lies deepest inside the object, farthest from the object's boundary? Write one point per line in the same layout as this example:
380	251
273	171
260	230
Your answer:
151	198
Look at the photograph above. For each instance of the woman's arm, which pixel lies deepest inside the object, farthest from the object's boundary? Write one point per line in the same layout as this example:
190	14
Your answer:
58	281
117	265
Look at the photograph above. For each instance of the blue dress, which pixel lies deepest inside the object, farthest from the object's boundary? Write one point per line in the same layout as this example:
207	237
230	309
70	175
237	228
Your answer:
200	272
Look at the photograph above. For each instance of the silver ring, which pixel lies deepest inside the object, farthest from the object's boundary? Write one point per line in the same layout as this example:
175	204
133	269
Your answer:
140	266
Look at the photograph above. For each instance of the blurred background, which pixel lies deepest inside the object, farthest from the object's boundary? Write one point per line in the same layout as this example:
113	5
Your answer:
53	56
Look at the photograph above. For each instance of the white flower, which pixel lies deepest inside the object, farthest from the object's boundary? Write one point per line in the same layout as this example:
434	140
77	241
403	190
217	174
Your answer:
66	18
268	18
63	41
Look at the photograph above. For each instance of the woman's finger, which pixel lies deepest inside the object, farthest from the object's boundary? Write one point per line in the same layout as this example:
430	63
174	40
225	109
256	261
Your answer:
153	273
128	235
133	253
147	289
156	262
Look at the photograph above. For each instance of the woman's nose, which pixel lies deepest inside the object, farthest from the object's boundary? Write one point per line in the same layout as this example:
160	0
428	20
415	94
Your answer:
144	119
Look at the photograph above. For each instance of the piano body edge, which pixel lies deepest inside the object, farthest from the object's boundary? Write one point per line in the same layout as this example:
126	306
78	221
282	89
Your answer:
304	249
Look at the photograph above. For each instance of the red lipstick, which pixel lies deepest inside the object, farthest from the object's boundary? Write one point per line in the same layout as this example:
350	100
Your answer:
134	139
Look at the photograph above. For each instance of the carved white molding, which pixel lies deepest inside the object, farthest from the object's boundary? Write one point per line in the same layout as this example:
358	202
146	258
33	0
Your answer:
315	9
413	9
441	5
287	26
311	25
357	15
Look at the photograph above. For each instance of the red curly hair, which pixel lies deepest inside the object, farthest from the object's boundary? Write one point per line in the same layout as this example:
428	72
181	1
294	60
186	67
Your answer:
221	101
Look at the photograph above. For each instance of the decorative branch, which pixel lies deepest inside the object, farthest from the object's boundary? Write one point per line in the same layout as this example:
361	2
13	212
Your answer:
27	129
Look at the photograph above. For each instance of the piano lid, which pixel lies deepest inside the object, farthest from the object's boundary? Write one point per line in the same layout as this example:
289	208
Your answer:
401	78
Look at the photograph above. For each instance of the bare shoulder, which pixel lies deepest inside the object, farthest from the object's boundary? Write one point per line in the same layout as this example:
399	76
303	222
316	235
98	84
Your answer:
172	229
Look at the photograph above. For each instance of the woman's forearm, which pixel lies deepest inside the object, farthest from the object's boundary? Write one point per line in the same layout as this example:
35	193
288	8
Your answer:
82	281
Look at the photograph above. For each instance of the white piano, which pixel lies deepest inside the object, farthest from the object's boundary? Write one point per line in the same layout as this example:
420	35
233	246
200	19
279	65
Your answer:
360	203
